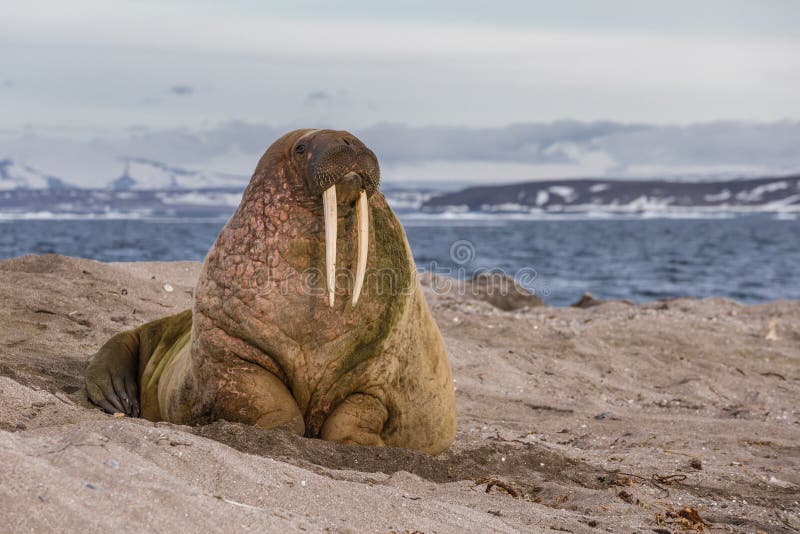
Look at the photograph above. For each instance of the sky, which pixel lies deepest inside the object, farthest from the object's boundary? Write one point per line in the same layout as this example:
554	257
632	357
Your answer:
90	70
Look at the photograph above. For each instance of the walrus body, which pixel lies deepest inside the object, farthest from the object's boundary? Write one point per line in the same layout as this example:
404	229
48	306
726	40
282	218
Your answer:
265	344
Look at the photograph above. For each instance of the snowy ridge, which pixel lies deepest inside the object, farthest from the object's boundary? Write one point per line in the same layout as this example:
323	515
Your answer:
623	197
146	175
14	175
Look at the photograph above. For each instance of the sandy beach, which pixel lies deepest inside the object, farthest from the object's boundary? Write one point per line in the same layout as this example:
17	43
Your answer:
662	417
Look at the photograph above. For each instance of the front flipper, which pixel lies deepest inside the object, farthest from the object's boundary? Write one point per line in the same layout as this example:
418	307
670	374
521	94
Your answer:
112	375
358	420
252	395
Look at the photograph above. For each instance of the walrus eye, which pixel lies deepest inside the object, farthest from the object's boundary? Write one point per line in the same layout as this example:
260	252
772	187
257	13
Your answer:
300	149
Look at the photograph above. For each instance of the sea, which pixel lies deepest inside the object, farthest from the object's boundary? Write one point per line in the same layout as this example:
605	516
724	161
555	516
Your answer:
751	258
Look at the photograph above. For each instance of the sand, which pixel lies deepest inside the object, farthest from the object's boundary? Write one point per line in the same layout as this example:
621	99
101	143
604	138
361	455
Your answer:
617	418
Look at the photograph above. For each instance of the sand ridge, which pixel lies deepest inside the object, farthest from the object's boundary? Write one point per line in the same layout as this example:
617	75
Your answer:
613	418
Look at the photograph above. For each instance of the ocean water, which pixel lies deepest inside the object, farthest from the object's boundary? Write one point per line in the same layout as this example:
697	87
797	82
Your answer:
752	259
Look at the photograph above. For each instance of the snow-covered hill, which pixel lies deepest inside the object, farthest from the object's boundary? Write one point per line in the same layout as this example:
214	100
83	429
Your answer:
144	174
15	175
137	174
624	196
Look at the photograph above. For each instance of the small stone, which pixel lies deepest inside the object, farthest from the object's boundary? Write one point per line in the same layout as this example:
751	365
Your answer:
772	331
168	288
778	483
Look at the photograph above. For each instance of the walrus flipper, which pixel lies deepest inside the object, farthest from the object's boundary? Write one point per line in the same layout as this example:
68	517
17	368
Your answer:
255	396
358	420
114	373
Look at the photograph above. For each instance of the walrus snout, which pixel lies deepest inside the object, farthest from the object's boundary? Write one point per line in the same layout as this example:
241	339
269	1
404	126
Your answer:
343	171
333	156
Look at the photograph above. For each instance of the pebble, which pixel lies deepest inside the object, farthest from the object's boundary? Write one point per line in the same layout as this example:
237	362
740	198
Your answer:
779	483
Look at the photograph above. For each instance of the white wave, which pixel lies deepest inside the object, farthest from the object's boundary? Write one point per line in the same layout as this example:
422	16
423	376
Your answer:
791	202
64	216
478	218
645	203
141	215
505	207
642	207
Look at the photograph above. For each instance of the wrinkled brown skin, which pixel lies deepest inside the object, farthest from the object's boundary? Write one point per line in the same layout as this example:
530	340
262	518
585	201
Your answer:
261	345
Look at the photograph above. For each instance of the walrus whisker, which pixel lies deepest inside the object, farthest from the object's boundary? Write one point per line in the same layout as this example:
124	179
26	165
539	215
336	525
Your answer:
329	207
362	212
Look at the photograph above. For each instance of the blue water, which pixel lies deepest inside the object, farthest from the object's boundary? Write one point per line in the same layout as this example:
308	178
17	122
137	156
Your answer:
748	258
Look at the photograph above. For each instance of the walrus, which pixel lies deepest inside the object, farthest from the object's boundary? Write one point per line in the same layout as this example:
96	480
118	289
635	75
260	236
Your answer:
271	341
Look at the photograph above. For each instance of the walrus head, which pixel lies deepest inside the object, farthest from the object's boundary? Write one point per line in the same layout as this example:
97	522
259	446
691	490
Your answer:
337	167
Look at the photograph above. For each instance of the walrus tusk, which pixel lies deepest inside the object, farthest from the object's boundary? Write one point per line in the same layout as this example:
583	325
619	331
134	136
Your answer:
329	207
362	212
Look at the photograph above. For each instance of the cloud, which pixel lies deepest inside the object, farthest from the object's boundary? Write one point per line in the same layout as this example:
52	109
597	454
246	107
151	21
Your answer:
321	102
521	143
495	66
725	142
181	90
318	97
7	83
